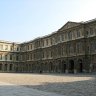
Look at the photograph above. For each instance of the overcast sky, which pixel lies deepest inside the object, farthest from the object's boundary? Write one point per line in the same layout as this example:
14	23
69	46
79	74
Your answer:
24	20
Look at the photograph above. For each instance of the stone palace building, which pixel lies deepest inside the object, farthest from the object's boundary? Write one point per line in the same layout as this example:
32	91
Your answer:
71	49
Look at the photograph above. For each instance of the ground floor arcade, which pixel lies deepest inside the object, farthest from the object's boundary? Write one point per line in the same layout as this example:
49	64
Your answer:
60	65
7	67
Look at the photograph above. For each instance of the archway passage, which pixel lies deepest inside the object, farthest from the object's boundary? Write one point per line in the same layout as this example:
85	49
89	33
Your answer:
71	66
5	67
80	66
11	67
63	66
41	67
0	67
46	67
51	69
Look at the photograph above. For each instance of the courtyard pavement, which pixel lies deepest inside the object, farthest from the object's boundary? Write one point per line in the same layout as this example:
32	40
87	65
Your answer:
28	84
7	89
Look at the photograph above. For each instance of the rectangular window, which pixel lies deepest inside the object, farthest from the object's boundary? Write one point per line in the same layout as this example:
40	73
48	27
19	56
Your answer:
6	47
78	34
68	46
43	43
11	48
0	66
47	55
17	48
28	47
43	55
95	46
0	56
62	51
51	53
30	56
38	43
27	57
24	48
58	38
1	47
79	47
91	31
62	37
17	58
20	48
10	57
5	57
92	46
51	41
65	36
34	56
20	57
31	46
87	33
71	49
69	35
47	42
10	67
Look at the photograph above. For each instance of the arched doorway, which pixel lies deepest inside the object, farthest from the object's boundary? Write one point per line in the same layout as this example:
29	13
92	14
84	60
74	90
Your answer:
41	68
51	67
63	66
11	66
46	67
71	66
58	66
0	67
80	66
5	67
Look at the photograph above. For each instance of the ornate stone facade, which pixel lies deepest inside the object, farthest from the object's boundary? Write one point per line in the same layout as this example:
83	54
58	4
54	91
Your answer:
71	49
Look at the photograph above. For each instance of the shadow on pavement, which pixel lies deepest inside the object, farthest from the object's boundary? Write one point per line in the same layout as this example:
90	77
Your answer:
76	88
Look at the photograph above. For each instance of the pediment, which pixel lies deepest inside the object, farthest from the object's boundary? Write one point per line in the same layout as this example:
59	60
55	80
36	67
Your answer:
69	25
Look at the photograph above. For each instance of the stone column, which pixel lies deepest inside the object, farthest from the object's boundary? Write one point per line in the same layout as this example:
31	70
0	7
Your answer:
67	66
75	65
3	67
